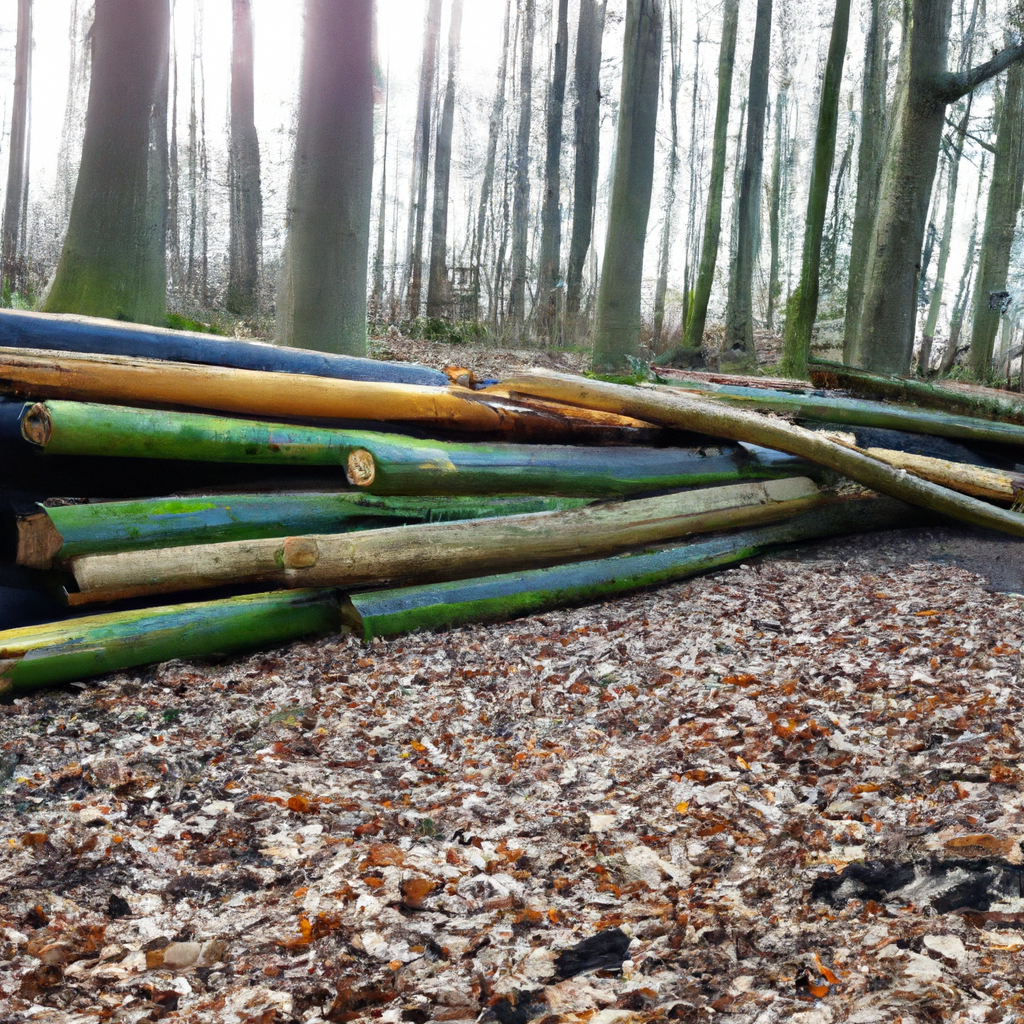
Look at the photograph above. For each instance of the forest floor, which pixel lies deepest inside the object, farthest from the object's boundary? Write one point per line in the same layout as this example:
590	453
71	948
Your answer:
797	786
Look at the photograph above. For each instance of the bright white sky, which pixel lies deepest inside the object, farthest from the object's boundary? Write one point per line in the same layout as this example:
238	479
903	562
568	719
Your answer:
278	53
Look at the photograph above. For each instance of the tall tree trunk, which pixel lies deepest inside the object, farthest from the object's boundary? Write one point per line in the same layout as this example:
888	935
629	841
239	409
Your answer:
617	326
589	38
437	285
113	262
175	269
322	296
193	152
692	231
243	170
12	269
885	341
713	216
204	193
521	193
377	302
551	209
70	149
1004	198
775	202
421	157
739	336
493	132
831	239
802	308
869	166
661	288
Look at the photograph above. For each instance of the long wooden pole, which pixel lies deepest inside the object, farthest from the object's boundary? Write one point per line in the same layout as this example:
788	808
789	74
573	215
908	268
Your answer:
686	411
493	598
389	463
439	550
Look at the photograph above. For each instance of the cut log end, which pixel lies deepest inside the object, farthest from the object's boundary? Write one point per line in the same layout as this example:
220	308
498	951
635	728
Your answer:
36	426
39	541
300	553
360	470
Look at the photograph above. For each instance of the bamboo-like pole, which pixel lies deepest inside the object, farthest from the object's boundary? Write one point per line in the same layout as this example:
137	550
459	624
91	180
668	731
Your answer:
401	465
686	411
494	598
81	334
122	380
68	531
438	551
60	652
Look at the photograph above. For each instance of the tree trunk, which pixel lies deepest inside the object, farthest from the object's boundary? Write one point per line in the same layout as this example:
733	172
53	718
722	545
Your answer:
713	216
243	171
521	193
12	268
670	185
869	166
692	232
885	340
739	336
421	156
617	326
1004	198
322	295
175	269
377	303
775	203
588	113
193	153
113	261
437	284
493	132
551	209
802	308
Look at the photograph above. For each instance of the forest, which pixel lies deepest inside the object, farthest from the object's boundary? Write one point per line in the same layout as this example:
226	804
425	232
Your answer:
729	184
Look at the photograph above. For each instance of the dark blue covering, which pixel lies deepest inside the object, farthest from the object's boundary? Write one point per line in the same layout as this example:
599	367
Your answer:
19	329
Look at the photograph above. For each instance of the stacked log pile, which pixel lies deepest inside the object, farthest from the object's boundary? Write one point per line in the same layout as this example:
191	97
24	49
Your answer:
168	495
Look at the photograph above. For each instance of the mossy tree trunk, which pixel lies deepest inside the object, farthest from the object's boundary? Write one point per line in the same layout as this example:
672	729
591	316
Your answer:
617	327
322	297
113	260
802	308
1004	198
739	327
588	111
246	211
713	216
885	338
437	284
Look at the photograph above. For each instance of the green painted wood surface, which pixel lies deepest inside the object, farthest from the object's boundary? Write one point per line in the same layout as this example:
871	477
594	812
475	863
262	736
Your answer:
858	412
404	465
494	598
167	522
61	652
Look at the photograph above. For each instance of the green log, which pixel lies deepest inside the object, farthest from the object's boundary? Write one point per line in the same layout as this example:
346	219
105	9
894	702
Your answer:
959	399
393	464
57	534
61	652
855	412
494	598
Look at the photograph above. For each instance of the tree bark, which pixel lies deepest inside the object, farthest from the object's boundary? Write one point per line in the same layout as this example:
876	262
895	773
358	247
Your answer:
12	267
885	340
617	326
775	203
113	262
802	308
521	192
739	337
421	153
588	113
437	284
493	132
661	288
377	302
322	294
869	167
1004	199
551	209
243	171
713	216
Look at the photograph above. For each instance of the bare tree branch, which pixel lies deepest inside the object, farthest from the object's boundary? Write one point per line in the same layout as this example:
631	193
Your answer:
953	86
